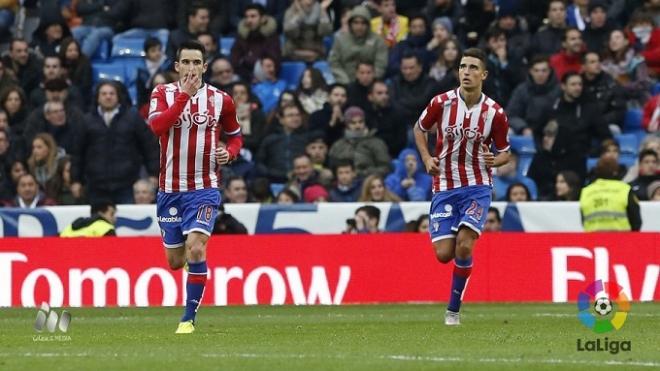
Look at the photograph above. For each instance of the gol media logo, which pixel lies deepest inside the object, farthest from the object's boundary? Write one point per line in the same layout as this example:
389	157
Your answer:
47	319
603	307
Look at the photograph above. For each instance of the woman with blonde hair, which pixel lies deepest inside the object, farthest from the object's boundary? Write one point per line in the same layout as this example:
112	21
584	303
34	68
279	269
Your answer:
42	163
373	190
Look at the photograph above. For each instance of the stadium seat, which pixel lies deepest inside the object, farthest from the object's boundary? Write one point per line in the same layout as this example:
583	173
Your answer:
521	144
276	188
291	73
633	120
226	44
627	143
655	89
524	162
327	42
131	66
108	71
591	163
627	159
324	67
128	48
102	52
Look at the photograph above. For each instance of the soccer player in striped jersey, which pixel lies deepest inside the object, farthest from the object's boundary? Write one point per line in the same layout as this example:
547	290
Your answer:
188	117
467	123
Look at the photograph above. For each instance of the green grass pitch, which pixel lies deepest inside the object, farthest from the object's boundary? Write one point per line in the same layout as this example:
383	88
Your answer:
366	337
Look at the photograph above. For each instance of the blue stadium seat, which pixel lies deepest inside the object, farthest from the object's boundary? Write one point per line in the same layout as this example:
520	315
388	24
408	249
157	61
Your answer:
521	144
128	48
291	72
640	134
324	67
655	89
524	162
627	143
627	159
276	188
102	52
108	71
591	163
226	44
633	120
327	42
131	66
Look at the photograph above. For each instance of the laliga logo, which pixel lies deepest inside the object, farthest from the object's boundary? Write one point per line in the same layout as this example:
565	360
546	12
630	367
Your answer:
602	307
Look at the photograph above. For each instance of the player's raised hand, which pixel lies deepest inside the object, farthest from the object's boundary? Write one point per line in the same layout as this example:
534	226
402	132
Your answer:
487	155
190	83
221	156
433	166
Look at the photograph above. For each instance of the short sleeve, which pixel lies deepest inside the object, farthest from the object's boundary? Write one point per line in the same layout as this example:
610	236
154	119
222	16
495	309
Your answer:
500	131
431	114
157	103
228	118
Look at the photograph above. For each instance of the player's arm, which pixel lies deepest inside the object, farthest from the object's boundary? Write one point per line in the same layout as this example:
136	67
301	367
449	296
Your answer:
232	129
501	140
426	121
161	117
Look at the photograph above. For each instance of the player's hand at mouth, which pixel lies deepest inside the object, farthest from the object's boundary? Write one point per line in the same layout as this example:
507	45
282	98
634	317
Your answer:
190	83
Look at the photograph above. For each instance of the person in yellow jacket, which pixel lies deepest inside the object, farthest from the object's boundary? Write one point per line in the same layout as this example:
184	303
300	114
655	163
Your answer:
609	204
100	224
389	25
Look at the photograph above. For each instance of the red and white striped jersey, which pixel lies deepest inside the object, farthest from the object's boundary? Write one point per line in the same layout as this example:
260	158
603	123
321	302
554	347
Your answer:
187	149
460	134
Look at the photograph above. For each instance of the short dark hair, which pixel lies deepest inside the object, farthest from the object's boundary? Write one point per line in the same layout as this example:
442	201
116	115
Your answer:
495	211
57	84
364	62
192	10
151	42
647	152
337	85
53	56
568	75
301	155
583	58
255	6
370	210
190	45
607	143
494	32
411	55
15	40
102	206
234	178
343	163
518	184
207	33
373	85
476	53
539	58
564	37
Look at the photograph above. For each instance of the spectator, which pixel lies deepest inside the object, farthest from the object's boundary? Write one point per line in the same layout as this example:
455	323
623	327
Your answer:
366	220
143	18
105	157
598	29
55	122
198	18
287	98
649	172
493	220
315	194
409	180
101	223
276	152
644	36
158	79
286	197
608	204
317	151
414	43
42	163
261	192
448	58
517	192
236	191
210	44
47	37
567	186
507	175
373	190
568	59
421	225
504	69
411	89
304	175
368	153
385	120
306	23
358	90
144	192
12	101
516	30
155	61
348	187
577	14
256	39
28	195
390	26
252	119
24	65
604	91
312	90
77	69
651	118
7	77
442	31
268	86
237	9
6	157
547	40
222	74
478	16
654	191
452	10
330	119
96	24
53	71
651	142
226	224
359	44
627	67
58	188
533	97
609	148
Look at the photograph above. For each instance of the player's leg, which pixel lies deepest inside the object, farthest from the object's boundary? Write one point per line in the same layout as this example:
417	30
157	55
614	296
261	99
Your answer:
169	214
442	219
176	257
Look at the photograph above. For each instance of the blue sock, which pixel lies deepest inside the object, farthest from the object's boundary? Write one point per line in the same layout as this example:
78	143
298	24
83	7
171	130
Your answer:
462	270
194	289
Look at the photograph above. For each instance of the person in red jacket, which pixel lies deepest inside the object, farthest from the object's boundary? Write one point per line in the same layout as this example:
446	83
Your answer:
644	36
569	58
651	118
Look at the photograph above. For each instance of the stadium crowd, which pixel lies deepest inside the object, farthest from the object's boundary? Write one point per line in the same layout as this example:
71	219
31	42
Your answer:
327	93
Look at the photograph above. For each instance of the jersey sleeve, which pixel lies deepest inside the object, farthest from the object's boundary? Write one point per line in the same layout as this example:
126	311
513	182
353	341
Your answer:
157	104
500	130
431	114
230	126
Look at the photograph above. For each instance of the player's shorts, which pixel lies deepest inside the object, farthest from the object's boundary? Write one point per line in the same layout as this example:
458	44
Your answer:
465	206
184	212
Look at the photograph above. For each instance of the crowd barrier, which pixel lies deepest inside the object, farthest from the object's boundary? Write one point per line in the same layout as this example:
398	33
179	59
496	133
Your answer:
307	269
324	218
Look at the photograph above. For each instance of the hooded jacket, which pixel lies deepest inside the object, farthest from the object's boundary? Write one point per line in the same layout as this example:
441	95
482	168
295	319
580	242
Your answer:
368	153
421	190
